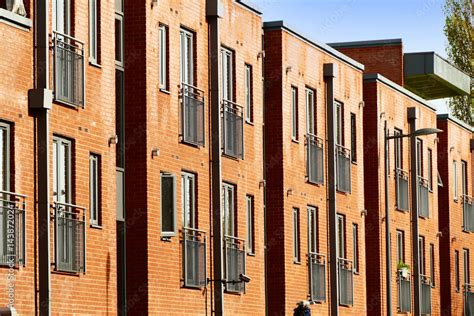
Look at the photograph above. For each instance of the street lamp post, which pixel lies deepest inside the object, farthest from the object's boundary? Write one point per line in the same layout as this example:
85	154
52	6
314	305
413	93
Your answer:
414	159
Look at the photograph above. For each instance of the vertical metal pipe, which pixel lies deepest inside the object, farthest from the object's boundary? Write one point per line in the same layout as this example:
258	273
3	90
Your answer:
265	254
387	227
330	71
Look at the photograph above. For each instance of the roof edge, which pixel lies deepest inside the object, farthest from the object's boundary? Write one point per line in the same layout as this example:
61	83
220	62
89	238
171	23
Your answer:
368	43
455	120
250	6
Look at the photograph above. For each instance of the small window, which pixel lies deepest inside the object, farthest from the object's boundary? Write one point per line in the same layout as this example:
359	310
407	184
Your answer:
313	229
398	152
432	265
94	31
5	152
296	235
355	241
61	16
400	246
168	205
248	93
339	123
419	154
229	210
62	170
94	189
467	270
353	138
430	169
455	180
294	113
341	236
310	112
187	57
119	60
227	74
421	251
250	224
188	196
456	271
164	57
464	182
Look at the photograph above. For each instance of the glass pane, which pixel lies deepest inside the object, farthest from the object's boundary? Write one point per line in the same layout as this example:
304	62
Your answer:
167	203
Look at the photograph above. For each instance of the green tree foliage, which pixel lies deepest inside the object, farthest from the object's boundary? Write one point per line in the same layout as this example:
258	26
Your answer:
460	49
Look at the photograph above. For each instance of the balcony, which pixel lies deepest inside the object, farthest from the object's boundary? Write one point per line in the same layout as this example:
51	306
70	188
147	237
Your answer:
70	236
404	292
317	272
402	189
12	221
423	201
468	213
234	264
68	60
192	115
346	282
343	165
194	256
315	158
232	129
425	295
468	299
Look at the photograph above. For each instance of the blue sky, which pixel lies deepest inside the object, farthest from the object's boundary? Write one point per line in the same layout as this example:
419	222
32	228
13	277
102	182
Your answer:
418	22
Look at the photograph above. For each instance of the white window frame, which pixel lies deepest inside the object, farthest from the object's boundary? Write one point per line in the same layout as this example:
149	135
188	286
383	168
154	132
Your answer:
62	165
455	180
188	199
296	236
421	250
398	149
355	247
312	229
94	189
466	266
187	57
341	236
168	233
249	201
248	93
310	111
93	31
5	152
339	123
228	214
400	246
294	113
464	177
227	74
119	62
63	6
163	37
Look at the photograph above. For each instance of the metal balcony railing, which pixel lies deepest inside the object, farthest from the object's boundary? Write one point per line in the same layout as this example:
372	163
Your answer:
469	299
404	292
425	295
317	272
423	201
234	263
192	115
468	213
315	158
69	70
12	228
343	177
402	189
232	129
70	237
346	282
194	256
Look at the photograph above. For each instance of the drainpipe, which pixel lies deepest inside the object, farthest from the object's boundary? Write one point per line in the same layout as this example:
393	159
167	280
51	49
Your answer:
40	101
330	71
387	228
265	254
412	117
214	12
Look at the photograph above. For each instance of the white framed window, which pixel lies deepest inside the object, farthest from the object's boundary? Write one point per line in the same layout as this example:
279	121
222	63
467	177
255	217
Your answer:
456	271
294	113
296	235
62	170
398	149
94	26
455	180
163	57
248	93
310	112
229	210
430	169
467	269
4	157
355	245
464	183
119	59
188	199
421	251
432	265
400	246
94	189
249	201
339	123
61	16
341	236
187	57
419	155
227	74
313	229
168	205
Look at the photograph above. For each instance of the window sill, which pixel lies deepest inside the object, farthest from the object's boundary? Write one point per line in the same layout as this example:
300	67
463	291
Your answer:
249	122
15	20
165	91
297	262
95	226
94	64
402	211
317	184
166	238
251	254
354	162
294	140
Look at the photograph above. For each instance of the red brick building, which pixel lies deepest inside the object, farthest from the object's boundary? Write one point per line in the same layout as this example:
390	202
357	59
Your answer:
298	147
455	209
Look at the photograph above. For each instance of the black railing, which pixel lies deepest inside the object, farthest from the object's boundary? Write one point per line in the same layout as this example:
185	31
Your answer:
468	213
12	221
423	201
402	189
192	115
69	74
232	129
343	178
70	237
404	292
234	263
346	282
425	298
194	256
317	272
315	158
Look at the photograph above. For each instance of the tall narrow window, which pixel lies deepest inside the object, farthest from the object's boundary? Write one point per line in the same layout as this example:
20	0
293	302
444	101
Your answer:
119	61
227	73
164	57
430	169
294	113
464	182
456	271
355	243
187	57
310	112
229	210
353	138
94	189
398	152
168	205
455	180
296	235
421	251
432	264
4	157
250	224
94	31
188	199
248	93
419	155
61	16
341	236
467	270
400	246
313	229
62	170
339	124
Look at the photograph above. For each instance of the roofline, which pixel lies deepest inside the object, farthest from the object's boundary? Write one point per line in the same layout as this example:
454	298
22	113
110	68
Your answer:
397	87
455	120
439	56
281	25
369	43
249	5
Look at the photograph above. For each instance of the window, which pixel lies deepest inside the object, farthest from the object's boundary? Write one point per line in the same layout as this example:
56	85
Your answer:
229	210
4	157
339	124
353	138
164	57
455	179
421	251
119	60
61	16
248	93
312	229
227	73
419	155
294	113
188	199
310	112
467	270
398	152
62	170
187	57
341	236
355	241
120	118
400	246
250	224
430	169
296	235
456	271
94	31
464	182
432	264
94	189
168	205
